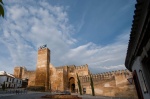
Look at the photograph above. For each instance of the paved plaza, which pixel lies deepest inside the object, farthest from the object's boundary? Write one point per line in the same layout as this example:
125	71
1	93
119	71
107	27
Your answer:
37	95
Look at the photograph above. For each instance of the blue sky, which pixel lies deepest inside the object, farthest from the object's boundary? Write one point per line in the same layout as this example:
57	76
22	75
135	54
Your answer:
93	32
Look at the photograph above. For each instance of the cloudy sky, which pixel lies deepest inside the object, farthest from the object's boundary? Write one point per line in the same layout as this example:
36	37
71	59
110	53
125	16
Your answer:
93	32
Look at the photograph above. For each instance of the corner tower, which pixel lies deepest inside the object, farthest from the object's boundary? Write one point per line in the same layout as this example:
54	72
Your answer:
42	68
18	72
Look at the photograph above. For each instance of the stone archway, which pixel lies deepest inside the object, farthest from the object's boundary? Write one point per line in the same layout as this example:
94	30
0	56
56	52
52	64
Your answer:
72	84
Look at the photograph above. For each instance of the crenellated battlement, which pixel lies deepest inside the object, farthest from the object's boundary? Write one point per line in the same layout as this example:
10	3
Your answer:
60	69
64	77
82	67
105	75
71	66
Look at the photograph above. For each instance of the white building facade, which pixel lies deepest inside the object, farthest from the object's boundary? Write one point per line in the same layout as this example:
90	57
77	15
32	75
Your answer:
138	54
9	80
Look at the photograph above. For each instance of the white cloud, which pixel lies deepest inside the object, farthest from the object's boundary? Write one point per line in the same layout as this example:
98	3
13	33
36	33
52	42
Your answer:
112	67
110	57
29	26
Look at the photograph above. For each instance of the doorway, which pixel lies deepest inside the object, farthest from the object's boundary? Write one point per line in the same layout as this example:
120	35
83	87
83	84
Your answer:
72	84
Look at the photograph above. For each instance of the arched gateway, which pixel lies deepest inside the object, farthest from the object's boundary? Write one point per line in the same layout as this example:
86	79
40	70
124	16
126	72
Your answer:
72	84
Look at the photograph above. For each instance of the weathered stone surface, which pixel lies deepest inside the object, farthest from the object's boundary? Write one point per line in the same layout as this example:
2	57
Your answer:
42	70
64	78
18	72
31	76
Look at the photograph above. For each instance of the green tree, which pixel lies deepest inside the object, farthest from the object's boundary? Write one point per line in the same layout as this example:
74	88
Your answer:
92	85
1	8
79	85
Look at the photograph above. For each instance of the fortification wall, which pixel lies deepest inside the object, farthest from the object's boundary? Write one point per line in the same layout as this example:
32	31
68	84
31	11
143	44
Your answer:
56	78
63	74
82	70
30	75
96	77
18	72
72	71
120	76
113	84
99	86
65	77
22	72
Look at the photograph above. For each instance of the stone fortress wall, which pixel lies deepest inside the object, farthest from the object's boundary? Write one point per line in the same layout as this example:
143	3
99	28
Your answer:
22	72
62	78
107	75
113	83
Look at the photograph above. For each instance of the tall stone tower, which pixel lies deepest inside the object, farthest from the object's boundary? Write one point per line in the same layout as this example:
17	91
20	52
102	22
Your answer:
42	69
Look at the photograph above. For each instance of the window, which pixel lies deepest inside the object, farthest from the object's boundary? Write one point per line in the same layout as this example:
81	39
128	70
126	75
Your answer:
7	79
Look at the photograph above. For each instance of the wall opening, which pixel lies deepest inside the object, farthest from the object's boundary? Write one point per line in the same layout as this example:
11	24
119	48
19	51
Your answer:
72	84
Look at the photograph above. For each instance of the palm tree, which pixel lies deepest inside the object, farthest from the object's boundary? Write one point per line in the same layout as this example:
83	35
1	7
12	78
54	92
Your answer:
1	8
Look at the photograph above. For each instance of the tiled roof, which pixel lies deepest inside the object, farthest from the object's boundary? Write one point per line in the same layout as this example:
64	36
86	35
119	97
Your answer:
136	32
